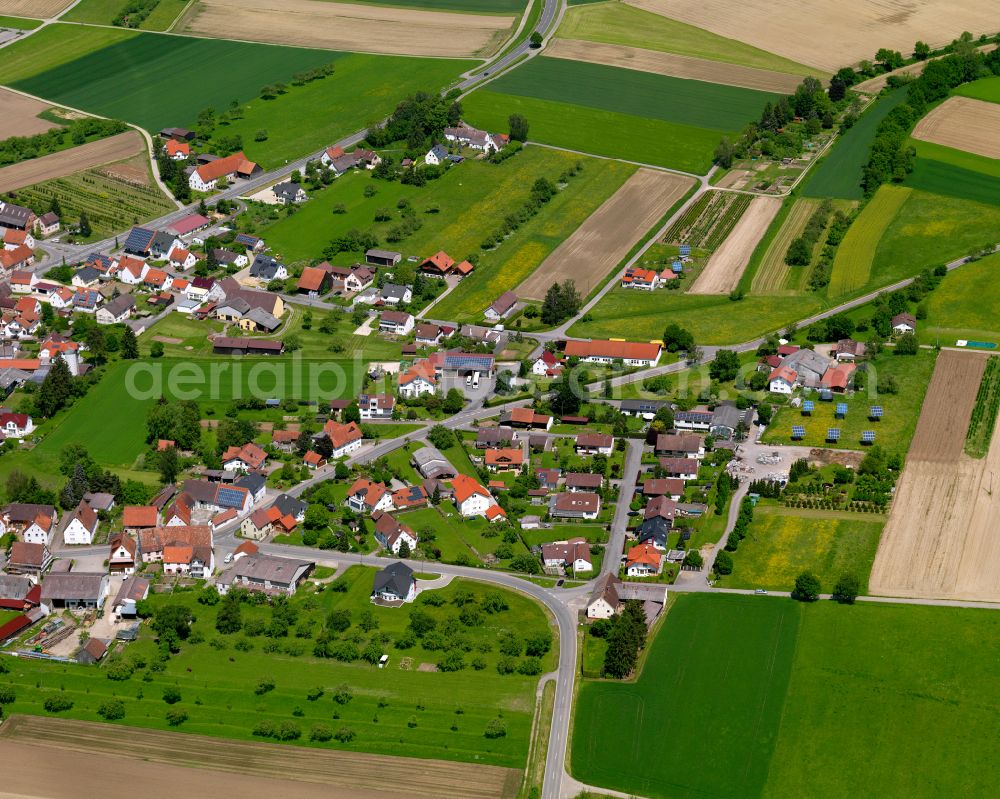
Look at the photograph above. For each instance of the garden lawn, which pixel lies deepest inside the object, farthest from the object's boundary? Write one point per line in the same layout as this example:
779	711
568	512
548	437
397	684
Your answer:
987	89
955	173
618	23
838	174
642	315
55	46
911	374
174	77
594	533
929	231
717	673
423	714
784	542
964	305
460	540
894	701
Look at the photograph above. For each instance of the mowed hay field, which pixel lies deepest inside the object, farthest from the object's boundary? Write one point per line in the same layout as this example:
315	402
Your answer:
76	159
37	9
964	305
965	124
600	243
346	26
829	35
160	760
621	113
773	273
940	540
619	23
725	268
678	66
852	264
20	115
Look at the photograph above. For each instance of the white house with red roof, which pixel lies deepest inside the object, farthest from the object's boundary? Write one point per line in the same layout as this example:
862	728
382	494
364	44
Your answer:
471	498
782	380
643	279
22	282
12	239
177	150
364	496
181	258
16	425
244	459
419	379
207	176
82	526
344	438
546	365
392	534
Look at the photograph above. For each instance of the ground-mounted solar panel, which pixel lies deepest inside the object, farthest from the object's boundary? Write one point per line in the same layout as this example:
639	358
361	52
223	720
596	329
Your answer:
833	434
798	431
826	395
876	412
841	409
808	406
868	437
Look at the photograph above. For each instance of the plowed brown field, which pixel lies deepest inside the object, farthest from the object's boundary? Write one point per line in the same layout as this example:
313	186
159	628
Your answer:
829	35
160	761
76	159
724	269
345	26
941	539
965	124
35	9
676	66
20	115
599	244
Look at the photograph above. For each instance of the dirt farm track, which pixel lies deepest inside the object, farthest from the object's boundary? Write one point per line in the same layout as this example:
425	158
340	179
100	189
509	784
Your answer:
599	244
160	761
965	124
941	540
343	26
75	159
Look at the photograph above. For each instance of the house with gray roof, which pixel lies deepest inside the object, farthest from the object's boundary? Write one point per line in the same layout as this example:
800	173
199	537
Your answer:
266	268
75	589
289	193
431	463
394	584
268	574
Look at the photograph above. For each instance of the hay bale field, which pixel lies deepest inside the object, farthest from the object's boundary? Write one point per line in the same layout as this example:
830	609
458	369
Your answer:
965	124
940	540
851	30
599	244
20	115
160	760
677	66
67	162
35	9
724	269
346	26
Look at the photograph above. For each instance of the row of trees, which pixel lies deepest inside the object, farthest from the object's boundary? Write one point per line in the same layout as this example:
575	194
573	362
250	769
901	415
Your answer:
21	148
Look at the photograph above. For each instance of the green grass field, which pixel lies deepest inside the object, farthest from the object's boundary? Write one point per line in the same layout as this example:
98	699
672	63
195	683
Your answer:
911	373
102	12
712	319
707	679
617	23
617	112
954	173
852	264
176	77
471	199
964	305
597	132
53	47
20	23
868	694
784	700
838	174
393	711
784	542
931	230
987	89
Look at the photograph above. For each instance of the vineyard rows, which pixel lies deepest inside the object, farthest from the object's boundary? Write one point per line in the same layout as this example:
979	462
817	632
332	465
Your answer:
109	204
708	222
984	413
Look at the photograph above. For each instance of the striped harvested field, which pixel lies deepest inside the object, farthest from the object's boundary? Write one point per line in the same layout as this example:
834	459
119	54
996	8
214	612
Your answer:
853	262
725	268
773	272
